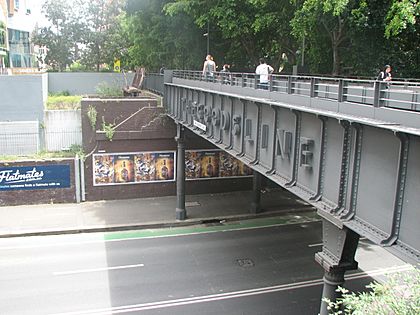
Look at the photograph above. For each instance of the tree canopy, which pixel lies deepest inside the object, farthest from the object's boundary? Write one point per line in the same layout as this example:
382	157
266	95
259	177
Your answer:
339	37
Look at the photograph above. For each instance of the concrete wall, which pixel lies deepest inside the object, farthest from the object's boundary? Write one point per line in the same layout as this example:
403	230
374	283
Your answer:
22	97
63	128
85	83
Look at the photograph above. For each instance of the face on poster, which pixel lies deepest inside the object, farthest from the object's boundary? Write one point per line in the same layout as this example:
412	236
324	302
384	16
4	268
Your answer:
192	164
103	169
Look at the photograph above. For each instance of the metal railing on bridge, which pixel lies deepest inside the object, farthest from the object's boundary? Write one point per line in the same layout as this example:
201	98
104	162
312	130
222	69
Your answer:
395	94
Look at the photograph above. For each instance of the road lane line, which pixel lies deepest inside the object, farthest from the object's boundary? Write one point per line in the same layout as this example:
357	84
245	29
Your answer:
231	295
71	272
320	244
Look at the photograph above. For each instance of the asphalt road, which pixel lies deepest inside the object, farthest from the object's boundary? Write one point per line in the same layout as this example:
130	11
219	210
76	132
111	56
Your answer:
266	270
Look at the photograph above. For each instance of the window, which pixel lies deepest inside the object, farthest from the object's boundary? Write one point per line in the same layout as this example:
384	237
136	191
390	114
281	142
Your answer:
16	5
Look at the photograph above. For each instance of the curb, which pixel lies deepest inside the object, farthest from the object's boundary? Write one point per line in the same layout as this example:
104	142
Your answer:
156	225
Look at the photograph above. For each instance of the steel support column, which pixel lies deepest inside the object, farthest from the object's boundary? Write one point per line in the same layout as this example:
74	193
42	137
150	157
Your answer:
181	213
332	280
256	193
337	256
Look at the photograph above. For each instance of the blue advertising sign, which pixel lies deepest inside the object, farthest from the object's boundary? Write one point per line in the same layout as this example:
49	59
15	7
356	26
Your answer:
35	177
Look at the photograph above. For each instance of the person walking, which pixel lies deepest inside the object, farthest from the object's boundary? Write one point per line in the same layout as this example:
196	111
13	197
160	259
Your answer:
225	74
262	71
385	75
209	68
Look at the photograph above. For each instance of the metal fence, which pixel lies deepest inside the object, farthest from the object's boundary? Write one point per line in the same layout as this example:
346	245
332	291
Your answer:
396	94
22	143
154	83
62	140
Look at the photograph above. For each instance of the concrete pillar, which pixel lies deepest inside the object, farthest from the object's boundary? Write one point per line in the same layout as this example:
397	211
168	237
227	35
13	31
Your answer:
332	279
256	193
181	213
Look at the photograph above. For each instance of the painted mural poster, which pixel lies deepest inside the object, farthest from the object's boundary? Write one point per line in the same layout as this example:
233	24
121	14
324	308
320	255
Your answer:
103	169
133	168
202	164
124	168
149	167
232	167
192	164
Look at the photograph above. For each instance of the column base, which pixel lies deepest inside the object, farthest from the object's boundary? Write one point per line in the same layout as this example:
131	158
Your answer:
181	214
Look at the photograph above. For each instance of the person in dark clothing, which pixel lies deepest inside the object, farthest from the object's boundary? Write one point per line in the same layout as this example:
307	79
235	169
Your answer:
385	75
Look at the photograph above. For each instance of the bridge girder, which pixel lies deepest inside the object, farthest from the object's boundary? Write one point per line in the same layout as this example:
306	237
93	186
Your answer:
359	173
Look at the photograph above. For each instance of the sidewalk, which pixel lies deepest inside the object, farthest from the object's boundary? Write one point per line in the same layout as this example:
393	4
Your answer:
115	215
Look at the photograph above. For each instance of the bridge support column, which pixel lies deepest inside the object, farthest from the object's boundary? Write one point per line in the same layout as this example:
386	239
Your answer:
256	193
337	256
181	213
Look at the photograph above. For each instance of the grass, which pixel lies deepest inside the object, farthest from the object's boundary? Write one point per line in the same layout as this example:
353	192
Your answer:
55	102
45	155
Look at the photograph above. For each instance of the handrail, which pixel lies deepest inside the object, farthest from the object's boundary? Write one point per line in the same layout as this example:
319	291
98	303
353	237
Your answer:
396	94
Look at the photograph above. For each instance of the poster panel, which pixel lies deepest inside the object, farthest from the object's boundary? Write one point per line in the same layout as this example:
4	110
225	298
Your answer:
204	164
133	168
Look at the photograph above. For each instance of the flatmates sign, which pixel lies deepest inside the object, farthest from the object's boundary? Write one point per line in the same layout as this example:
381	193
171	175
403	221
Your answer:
34	177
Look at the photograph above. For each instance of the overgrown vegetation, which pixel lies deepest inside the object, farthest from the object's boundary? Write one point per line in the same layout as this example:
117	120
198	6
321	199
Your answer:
103	89
399	295
108	128
43	155
63	100
92	114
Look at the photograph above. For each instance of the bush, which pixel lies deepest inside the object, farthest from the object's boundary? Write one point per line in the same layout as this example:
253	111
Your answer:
105	90
400	295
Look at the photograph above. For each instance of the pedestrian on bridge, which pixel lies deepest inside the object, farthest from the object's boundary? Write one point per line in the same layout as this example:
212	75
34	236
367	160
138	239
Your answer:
209	68
262	72
385	75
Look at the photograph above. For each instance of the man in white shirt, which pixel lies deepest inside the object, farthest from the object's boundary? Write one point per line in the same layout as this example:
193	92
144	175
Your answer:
262	72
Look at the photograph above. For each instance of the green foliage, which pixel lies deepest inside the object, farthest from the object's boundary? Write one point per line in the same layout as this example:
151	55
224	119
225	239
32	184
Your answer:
77	66
109	129
400	295
77	150
105	90
92	114
63	102
81	30
401	15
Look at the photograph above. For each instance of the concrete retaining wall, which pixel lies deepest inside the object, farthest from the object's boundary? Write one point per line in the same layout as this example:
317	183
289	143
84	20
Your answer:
85	83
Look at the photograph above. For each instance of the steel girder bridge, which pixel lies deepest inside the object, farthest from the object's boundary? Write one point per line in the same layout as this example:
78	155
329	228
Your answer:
351	148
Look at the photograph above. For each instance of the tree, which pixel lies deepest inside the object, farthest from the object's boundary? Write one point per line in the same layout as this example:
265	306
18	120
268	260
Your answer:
62	36
332	17
156	39
243	31
102	38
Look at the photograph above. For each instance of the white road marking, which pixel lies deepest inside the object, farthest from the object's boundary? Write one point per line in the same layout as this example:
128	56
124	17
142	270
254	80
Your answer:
72	272
229	295
320	244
